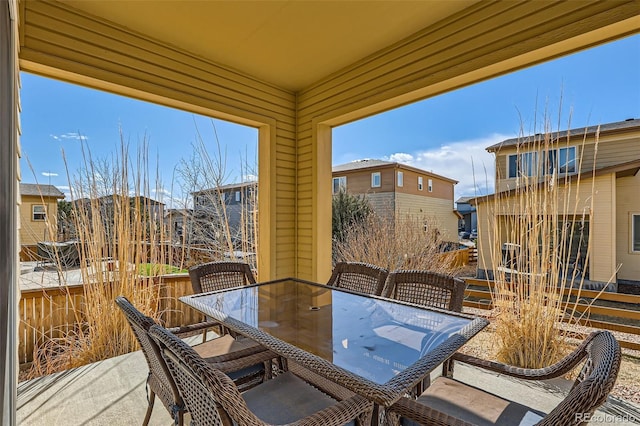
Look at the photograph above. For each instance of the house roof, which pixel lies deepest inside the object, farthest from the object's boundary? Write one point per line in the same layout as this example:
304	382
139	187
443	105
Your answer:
40	190
464	199
374	164
627	168
630	124
226	187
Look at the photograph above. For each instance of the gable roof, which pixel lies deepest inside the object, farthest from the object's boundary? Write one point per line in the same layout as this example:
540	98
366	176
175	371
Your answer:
630	124
361	164
38	190
226	187
373	164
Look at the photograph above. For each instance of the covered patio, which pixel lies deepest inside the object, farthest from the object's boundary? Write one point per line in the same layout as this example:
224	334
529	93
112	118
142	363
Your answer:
112	392
291	69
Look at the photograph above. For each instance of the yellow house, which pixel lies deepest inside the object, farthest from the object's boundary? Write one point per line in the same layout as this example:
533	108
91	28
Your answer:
401	190
291	69
38	215
608	169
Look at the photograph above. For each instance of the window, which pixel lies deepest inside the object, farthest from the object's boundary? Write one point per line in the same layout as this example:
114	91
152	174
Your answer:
562	161
419	183
430	185
339	184
39	212
512	166
375	180
567	160
237	196
635	233
400	179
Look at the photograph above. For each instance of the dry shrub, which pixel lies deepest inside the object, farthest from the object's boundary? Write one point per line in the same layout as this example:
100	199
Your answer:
408	242
543	218
117	228
217	230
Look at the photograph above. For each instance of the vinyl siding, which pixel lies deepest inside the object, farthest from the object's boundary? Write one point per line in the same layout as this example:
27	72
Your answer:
612	149
443	57
437	211
64	44
601	224
628	202
33	231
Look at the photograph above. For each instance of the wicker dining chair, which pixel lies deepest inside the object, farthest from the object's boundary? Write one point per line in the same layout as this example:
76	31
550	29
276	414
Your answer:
219	276
213	399
450	402
426	288
359	277
245	362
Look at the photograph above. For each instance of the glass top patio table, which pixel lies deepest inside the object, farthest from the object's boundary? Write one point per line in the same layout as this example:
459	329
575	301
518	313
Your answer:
376	347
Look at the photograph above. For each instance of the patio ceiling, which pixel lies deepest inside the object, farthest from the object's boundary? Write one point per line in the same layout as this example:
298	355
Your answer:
290	44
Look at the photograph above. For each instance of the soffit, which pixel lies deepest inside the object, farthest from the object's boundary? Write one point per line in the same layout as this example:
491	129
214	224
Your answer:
290	44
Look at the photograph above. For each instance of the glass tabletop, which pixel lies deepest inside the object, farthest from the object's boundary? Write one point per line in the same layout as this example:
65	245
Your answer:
371	337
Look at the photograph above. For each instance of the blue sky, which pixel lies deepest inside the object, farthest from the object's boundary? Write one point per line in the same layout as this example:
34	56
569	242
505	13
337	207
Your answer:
444	134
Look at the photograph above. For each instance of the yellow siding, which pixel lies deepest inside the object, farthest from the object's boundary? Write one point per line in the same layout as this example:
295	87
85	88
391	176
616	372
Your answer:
628	202
463	49
613	148
436	210
62	44
602	235
33	231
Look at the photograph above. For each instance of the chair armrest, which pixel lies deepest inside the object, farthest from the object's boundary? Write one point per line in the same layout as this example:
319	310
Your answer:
192	328
231	362
425	415
339	414
558	369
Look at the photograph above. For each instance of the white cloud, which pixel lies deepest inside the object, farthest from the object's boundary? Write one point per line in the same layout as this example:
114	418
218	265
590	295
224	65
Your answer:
401	157
468	162
69	136
48	174
249	178
162	191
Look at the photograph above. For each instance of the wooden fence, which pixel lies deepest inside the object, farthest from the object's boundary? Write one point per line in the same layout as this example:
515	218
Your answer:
49	313
52	312
609	311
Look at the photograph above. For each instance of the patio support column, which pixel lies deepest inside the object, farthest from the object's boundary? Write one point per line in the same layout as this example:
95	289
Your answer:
8	210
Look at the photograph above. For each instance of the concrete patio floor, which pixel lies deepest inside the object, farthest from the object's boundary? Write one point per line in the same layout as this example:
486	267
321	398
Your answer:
112	392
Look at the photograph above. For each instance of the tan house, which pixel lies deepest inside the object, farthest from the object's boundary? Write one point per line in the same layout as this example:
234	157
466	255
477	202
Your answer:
398	190
610	170
275	67
38	215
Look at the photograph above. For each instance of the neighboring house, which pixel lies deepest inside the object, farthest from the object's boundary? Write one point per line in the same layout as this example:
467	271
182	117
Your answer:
151	211
614	226
469	220
38	215
234	204
397	189
178	224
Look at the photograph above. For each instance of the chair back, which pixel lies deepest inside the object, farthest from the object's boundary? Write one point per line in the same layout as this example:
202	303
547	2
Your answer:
159	380
360	277
594	382
210	396
220	275
426	288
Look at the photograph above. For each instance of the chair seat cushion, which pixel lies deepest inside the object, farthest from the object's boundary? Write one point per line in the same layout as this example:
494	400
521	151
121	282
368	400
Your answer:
285	399
476	406
223	345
